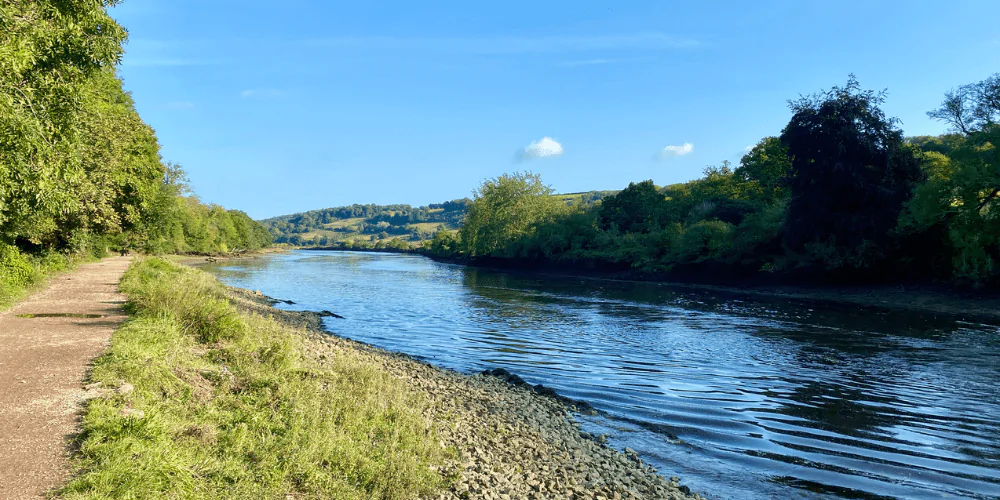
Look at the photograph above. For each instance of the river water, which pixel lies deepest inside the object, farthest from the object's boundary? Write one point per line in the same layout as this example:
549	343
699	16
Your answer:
741	398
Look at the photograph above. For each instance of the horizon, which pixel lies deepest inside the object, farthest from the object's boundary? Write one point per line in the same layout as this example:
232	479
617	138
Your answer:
404	104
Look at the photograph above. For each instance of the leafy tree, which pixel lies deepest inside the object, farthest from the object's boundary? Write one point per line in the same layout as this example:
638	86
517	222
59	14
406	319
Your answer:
960	199
973	107
851	173
717	196
506	209
764	169
637	208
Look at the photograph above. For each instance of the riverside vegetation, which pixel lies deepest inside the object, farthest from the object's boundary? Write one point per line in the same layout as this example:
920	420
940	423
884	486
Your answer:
397	227
208	392
80	172
839	197
221	404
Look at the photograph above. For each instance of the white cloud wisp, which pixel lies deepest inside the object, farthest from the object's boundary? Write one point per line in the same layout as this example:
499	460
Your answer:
546	147
675	151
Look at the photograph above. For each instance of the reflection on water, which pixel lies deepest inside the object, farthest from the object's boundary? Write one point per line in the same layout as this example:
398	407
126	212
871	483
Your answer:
741	398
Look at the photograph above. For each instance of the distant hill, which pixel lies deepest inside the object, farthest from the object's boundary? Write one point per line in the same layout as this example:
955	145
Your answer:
373	223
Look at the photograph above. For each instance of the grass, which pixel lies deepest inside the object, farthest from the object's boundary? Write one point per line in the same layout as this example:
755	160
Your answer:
226	405
341	236
21	274
431	227
339	223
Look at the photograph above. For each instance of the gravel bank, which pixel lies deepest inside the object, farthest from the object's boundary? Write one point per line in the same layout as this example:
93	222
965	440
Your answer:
511	441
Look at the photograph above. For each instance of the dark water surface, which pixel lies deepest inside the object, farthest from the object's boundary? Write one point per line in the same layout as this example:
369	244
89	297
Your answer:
740	398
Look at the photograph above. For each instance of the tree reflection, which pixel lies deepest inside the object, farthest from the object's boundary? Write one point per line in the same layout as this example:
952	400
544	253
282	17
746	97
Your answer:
841	409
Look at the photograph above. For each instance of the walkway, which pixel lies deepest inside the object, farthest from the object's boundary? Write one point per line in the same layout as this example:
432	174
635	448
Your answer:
43	363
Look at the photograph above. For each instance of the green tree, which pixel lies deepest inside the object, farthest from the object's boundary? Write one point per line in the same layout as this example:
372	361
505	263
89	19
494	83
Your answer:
960	199
717	196
506	209
764	169
637	208
851	173
971	108
79	169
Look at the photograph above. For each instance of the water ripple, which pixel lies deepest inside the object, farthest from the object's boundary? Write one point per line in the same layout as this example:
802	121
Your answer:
741	398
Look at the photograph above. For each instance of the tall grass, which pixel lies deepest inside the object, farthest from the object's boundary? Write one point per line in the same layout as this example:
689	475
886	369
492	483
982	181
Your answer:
20	273
225	405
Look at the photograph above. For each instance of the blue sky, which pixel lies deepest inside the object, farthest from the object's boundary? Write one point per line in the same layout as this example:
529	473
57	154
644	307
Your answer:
280	107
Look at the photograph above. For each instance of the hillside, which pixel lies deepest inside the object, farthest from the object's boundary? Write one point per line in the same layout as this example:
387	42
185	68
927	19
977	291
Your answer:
374	223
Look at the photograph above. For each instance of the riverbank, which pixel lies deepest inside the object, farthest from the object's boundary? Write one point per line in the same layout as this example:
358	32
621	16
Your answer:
459	436
513	440
964	305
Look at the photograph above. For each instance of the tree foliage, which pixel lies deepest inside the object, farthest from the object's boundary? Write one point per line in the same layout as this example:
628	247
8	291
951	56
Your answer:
851	172
636	209
504	210
356	222
959	202
839	196
79	169
763	170
971	108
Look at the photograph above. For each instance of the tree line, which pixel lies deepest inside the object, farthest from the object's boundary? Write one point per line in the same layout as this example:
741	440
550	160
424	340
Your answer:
365	224
79	170
840	195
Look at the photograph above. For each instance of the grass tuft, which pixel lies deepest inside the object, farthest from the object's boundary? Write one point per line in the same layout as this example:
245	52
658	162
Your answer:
225	405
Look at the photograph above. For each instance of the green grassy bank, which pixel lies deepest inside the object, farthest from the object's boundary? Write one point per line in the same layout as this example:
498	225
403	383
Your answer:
202	400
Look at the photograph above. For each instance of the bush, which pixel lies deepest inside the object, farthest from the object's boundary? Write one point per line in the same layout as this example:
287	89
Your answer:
704	241
15	268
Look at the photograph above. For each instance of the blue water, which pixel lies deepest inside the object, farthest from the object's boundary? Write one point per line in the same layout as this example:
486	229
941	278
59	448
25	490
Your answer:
740	398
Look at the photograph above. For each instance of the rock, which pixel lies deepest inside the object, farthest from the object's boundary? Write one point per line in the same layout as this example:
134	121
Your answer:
94	386
125	388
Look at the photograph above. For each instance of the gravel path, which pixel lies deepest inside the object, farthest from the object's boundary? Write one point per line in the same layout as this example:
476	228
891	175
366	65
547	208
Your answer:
46	345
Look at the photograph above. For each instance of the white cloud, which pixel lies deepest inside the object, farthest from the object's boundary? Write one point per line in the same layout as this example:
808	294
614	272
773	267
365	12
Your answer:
262	93
674	151
546	147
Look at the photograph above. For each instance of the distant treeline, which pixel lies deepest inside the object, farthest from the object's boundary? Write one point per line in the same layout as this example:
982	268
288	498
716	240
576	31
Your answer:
366	223
839	196
79	170
384	226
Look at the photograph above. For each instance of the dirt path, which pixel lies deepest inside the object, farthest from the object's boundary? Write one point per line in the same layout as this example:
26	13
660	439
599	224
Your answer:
43	362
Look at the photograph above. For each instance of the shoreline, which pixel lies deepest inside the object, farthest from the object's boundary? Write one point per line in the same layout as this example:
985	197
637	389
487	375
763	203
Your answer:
924	298
513	440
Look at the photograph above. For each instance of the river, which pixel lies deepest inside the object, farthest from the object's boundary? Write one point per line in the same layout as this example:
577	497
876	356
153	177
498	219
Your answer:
741	398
